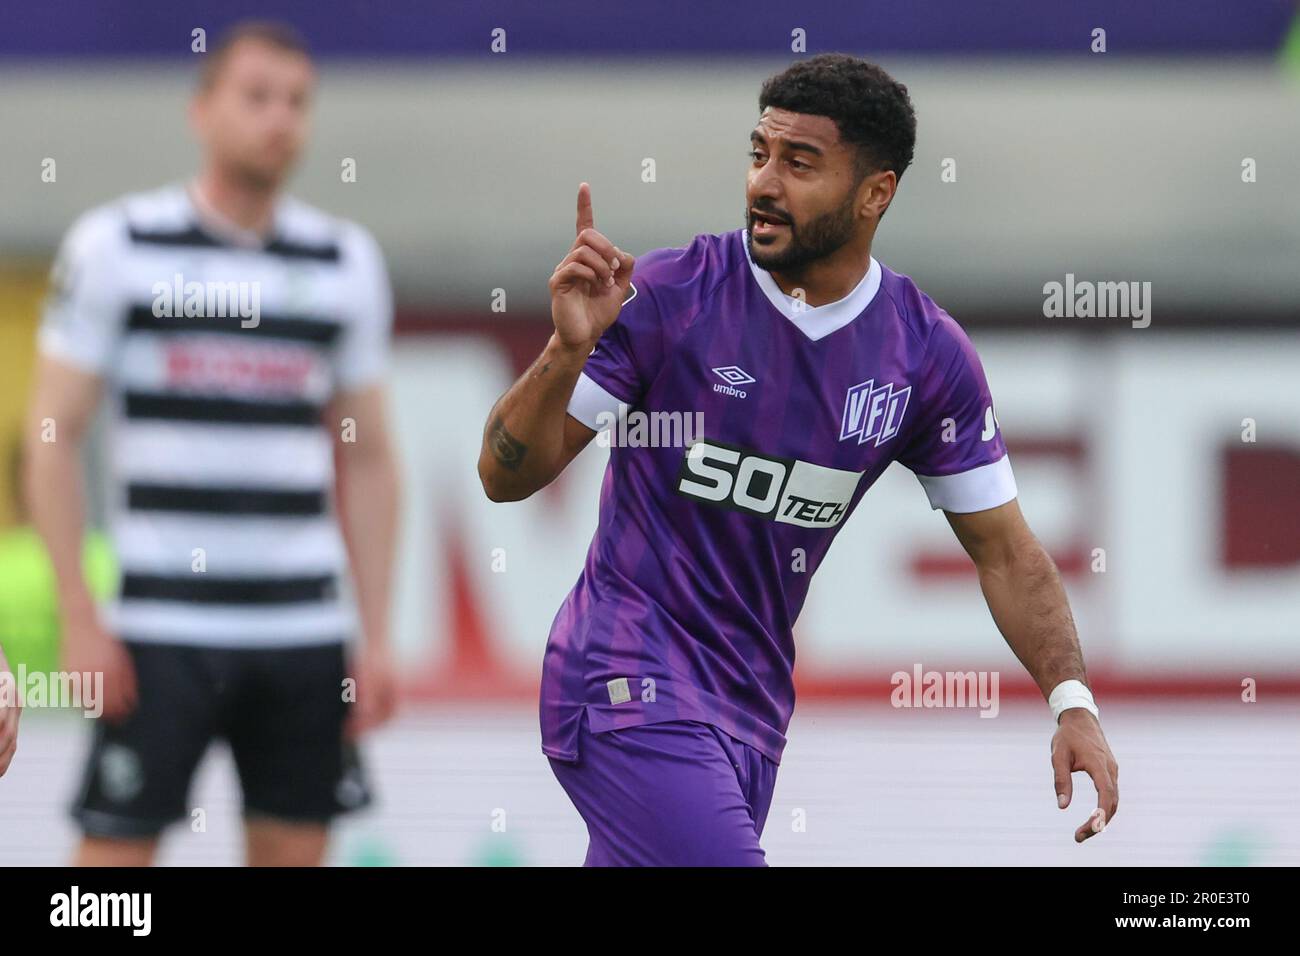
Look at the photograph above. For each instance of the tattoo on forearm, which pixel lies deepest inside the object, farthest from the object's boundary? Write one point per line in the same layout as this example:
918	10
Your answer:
506	449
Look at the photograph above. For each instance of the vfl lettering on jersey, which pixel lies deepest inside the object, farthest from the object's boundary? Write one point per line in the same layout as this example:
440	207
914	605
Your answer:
784	490
873	412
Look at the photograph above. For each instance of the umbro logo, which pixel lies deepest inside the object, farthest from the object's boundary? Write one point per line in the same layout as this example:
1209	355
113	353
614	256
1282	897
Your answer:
733	376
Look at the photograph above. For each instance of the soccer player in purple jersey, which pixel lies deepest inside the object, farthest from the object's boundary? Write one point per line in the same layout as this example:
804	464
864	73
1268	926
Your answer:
667	684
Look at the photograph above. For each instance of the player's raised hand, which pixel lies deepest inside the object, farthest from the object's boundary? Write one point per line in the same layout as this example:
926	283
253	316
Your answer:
590	284
1079	744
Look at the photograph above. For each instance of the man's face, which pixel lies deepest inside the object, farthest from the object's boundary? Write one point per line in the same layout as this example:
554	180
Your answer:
253	120
800	190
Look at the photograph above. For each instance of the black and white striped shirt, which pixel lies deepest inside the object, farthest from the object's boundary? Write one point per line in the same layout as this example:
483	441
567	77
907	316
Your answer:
218	359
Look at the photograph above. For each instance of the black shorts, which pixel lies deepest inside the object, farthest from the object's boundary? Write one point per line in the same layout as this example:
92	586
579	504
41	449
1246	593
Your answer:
281	710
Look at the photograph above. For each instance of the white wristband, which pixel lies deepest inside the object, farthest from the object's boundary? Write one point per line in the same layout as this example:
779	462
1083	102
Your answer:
1071	693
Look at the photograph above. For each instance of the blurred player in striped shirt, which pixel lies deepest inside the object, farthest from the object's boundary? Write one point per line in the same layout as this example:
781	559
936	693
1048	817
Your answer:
239	339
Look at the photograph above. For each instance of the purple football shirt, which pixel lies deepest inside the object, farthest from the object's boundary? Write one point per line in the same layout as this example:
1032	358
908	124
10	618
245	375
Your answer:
712	524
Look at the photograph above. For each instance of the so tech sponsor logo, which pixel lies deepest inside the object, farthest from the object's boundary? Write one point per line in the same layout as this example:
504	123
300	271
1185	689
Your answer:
784	490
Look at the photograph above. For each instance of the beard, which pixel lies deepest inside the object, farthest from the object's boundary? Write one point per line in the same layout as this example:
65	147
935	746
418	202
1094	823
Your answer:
253	177
261	170
822	236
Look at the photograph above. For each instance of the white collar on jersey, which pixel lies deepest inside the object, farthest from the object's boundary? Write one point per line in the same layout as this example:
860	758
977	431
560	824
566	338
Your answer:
210	220
819	321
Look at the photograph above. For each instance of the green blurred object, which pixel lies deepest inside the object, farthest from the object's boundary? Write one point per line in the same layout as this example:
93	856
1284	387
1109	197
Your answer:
1291	48
1233	848
371	851
498	850
29	618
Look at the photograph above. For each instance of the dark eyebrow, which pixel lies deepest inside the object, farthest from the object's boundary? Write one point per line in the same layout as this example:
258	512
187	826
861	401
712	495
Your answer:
757	137
805	147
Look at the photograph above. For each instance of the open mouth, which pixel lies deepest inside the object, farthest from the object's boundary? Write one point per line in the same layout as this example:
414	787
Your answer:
766	225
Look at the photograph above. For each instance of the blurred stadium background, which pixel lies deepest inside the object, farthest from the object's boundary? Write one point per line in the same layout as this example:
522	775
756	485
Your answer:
1172	158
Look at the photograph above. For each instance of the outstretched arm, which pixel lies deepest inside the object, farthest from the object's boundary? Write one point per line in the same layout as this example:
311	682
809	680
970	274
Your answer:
1024	593
530	437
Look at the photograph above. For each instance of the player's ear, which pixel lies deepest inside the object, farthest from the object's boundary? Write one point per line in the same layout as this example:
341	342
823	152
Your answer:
876	192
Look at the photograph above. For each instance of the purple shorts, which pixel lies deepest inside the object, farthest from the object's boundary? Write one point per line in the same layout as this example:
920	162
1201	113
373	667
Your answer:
678	793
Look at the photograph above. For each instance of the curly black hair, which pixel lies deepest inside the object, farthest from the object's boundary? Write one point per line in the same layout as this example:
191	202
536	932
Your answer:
871	109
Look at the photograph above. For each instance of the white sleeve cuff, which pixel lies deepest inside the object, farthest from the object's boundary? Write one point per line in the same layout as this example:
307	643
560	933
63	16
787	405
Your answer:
592	405
978	489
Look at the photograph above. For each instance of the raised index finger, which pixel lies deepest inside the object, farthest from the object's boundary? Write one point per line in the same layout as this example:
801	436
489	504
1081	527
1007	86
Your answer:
586	220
